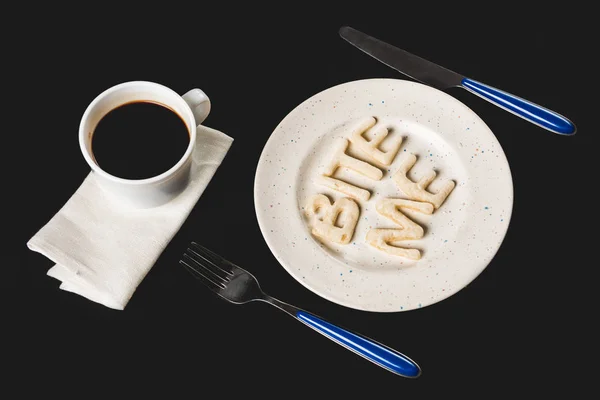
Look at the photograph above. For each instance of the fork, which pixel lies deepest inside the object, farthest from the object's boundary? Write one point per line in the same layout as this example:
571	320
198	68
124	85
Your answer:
239	286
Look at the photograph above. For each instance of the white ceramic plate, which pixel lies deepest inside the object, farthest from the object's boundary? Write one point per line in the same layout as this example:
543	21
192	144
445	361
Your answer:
461	237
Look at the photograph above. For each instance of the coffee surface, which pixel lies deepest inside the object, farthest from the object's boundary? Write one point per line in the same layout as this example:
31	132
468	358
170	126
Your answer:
139	140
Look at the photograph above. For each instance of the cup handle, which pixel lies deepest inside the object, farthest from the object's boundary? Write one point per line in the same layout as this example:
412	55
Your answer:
199	103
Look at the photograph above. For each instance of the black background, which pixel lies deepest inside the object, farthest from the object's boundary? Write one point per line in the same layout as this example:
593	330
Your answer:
523	325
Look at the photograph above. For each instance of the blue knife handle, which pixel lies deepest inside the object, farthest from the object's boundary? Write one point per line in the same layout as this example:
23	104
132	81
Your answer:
367	348
533	113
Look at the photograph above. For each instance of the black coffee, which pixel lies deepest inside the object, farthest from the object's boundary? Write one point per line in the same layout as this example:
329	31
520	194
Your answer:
139	140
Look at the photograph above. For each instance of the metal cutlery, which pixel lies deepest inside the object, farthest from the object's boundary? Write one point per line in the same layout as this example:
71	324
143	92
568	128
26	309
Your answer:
442	78
238	286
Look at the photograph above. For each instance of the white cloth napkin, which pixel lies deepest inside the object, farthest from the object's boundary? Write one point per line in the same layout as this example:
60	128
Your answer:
103	251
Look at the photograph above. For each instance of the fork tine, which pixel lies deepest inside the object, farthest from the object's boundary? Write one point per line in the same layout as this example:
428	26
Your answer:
212	285
200	266
208	252
207	264
210	257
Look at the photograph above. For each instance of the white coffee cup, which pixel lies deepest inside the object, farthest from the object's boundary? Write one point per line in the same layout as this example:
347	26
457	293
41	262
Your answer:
193	108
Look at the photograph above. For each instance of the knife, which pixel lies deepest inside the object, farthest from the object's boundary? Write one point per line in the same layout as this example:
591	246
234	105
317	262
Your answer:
442	78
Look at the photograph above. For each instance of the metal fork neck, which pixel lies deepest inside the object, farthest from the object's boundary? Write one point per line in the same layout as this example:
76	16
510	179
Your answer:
288	308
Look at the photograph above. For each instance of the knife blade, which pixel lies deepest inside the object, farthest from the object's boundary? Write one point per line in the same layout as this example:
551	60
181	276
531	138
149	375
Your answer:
402	61
442	78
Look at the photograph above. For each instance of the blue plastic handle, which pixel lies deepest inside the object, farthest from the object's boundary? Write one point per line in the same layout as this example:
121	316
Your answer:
538	115
372	351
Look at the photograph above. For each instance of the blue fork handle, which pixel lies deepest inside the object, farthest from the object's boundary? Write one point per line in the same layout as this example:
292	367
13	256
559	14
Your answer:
527	110
379	354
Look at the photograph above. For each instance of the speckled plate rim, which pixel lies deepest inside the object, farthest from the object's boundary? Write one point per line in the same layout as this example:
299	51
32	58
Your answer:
292	261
